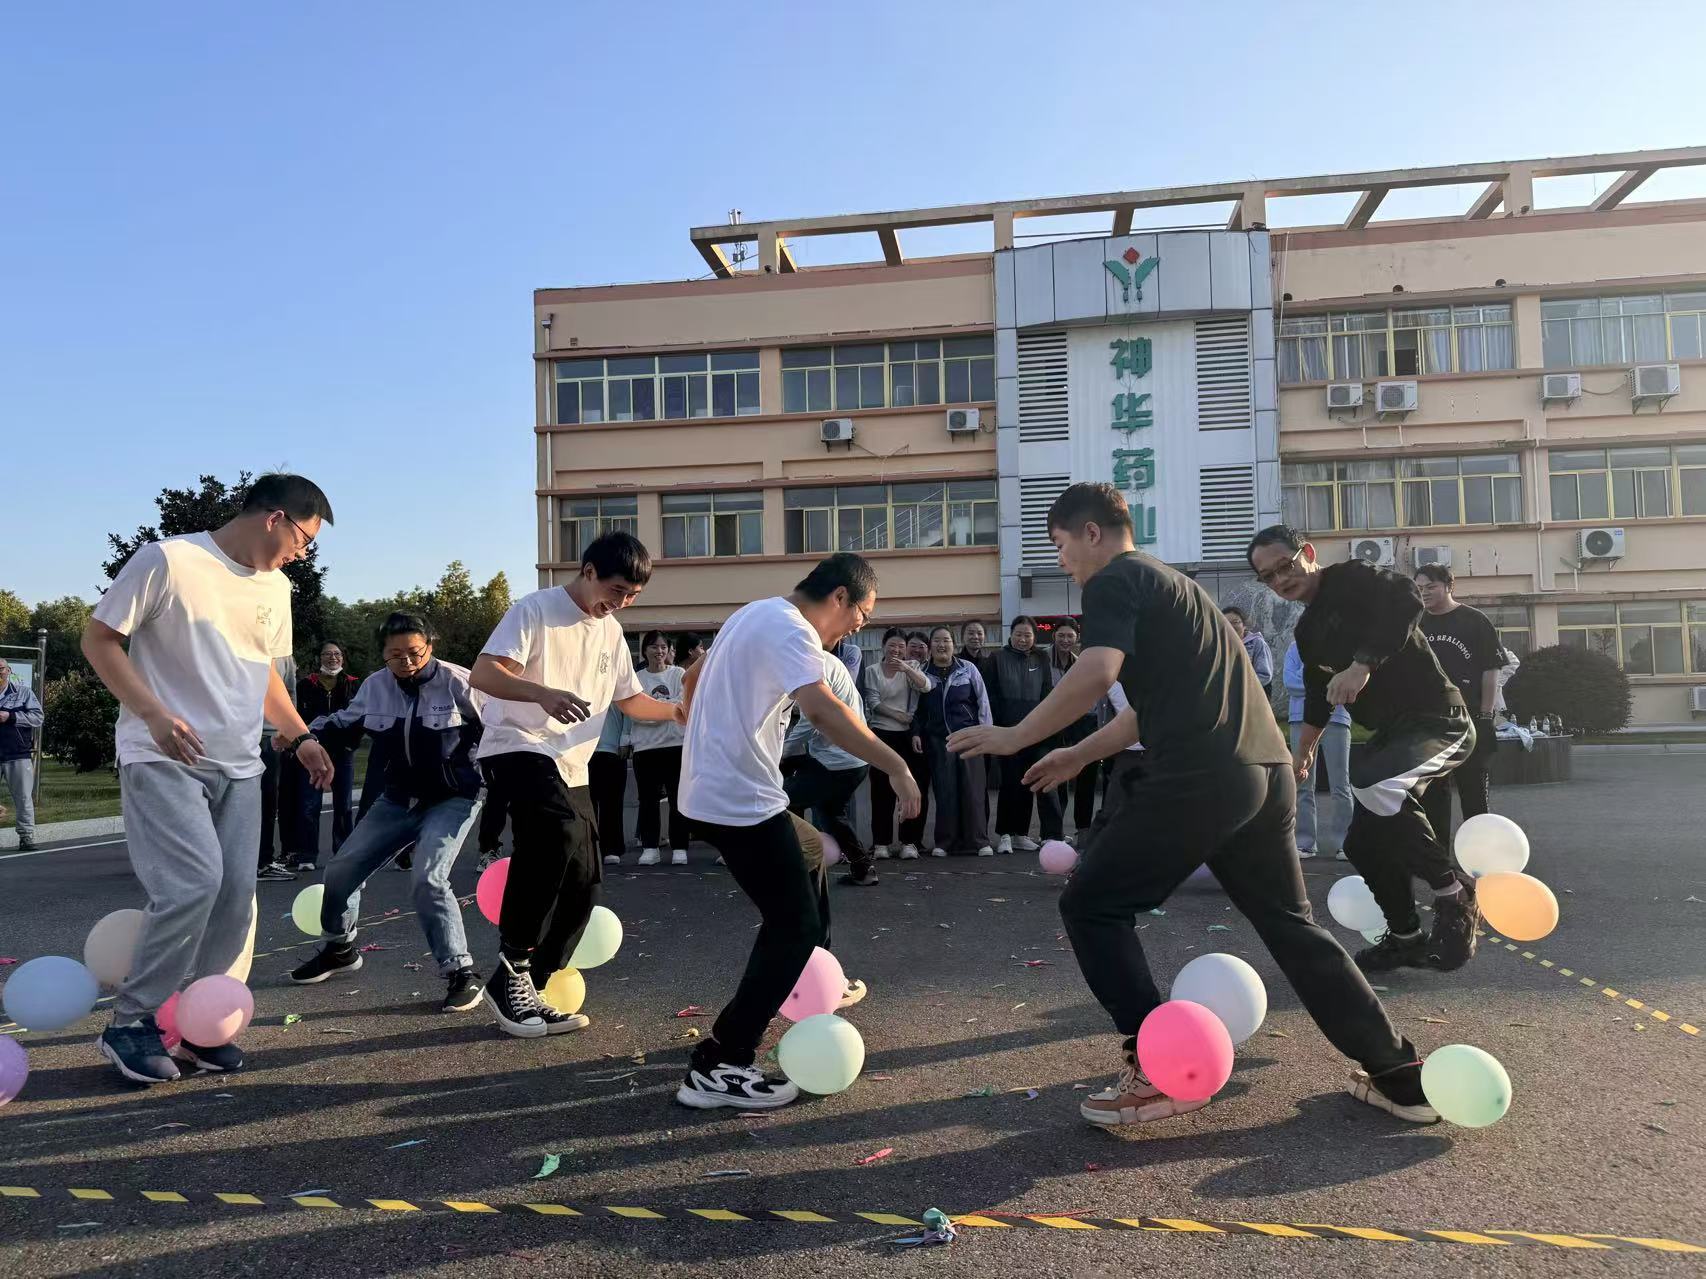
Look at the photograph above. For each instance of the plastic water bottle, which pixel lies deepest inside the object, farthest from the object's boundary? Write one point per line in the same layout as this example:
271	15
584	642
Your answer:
1533	724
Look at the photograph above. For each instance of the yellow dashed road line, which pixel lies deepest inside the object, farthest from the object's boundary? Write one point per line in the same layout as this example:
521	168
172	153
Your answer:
1610	992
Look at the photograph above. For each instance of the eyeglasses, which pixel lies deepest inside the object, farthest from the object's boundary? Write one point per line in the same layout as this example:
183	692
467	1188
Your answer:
307	541
410	655
1289	565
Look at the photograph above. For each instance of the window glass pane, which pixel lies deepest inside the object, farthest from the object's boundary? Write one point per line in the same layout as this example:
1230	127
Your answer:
579	368
1477	500
1382	506
752	534
1353	512
722	396
621	402
1685	341
1585	344
1308	471
817	531
972	490
910	493
984	344
592	401
1380	468
1490	464
1320	508
1623	494
817	391
738	501
677	503
725	535
929	528
1587	614
862	495
808	497
871	387
675	397
674	538
698	401
1640	457
900	385
847	388
1595	496
1655	493
794	393
958	381
983	379
1416	508
1507	500
1445	502
1638	650
1693	490
850	530
1291	507
805	357
1590	460
793	532
960	524
730	360
929	384
1649	337
746	393
568	403
866	354
628	365
682	363
645	399
629	505
1667	650
1656	611
1555	343
698	534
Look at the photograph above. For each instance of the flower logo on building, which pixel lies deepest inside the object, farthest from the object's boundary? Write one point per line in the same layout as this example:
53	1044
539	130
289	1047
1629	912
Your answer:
1131	269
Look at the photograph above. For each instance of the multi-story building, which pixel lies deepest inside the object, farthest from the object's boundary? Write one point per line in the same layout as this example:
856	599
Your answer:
1518	390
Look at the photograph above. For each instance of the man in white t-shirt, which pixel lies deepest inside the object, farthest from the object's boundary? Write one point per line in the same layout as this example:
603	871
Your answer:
769	652
205	615
554	666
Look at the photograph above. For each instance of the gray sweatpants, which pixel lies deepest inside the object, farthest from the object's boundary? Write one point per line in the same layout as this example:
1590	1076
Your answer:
20	775
192	834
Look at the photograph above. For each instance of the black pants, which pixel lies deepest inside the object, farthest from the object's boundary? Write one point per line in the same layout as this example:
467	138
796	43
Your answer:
1470	781
882	792
554	871
657	774
1241	820
779	865
829	793
607	779
1014	800
281	789
1084	788
1391	840
962	799
494	816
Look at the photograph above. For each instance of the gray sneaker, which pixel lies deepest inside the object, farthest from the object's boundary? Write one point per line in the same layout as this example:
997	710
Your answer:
138	1053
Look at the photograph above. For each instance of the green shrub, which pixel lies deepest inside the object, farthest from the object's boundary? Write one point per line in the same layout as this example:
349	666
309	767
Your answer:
1588	689
79	716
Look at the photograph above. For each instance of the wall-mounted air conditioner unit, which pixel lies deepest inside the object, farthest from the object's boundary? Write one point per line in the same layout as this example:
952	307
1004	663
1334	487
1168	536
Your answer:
1374	550
1393	399
1420	556
1344	395
1654	383
962	421
1600	544
838	430
1560	388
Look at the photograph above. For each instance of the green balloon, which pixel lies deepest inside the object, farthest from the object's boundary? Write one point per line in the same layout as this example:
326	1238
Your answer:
822	1054
600	942
1466	1085
305	910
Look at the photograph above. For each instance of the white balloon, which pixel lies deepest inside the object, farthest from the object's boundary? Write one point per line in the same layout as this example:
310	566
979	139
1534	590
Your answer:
1229	988
111	947
1352	905
1489	843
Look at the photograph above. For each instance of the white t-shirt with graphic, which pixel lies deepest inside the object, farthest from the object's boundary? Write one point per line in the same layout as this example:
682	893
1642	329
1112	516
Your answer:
558	645
203	632
731	771
1116	695
665	686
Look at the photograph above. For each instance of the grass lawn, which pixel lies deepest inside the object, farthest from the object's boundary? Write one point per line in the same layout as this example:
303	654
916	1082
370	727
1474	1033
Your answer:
68	796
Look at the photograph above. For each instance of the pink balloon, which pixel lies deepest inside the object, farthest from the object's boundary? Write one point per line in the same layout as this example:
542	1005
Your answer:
14	1069
167	1020
831	851
1185	1050
819	989
489	892
214	1010
1057	856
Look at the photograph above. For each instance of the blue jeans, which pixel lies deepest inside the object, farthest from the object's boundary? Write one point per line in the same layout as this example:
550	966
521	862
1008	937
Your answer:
438	832
308	821
1334	753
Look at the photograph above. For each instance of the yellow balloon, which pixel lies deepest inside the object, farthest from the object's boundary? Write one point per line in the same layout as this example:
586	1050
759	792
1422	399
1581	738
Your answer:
1517	905
566	991
240	969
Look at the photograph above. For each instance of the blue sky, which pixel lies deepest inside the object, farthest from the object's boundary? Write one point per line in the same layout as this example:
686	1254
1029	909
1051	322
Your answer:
305	235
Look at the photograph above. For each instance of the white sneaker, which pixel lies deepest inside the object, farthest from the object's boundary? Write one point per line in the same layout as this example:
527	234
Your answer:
611	859
742	1087
650	857
1006	845
882	853
1340	856
678	857
1133	1100
909	853
938	852
1304	853
987	851
853	994
1025	844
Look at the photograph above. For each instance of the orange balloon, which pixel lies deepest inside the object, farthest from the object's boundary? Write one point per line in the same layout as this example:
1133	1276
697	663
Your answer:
1517	905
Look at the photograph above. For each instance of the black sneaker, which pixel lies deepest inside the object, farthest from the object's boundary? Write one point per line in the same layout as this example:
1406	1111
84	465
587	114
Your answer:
742	1087
1452	943
1394	951
512	999
223	1059
866	878
273	872
463	990
138	1053
333	958
1397	1091
27	844
487	857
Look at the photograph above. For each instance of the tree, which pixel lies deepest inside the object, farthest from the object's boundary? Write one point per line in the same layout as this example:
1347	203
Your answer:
1588	689
79	717
14	618
63	619
199	510
462	616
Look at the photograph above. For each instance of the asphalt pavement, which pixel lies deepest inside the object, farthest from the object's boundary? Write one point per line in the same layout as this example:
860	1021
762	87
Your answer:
377	1135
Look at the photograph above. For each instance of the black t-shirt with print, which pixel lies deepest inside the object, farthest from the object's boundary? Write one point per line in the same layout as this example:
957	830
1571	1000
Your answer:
1466	645
1199	705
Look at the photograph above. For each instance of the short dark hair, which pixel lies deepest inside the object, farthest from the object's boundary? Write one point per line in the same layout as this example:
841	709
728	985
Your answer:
892	632
940	626
332	643
648	637
843	570
1440	573
686	642
1066	622
1024	619
1234	609
295	495
618	554
920	635
1101	504
401	623
1274	535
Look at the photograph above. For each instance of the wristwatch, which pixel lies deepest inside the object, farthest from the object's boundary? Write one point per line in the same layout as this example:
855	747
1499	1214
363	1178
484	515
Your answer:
290	746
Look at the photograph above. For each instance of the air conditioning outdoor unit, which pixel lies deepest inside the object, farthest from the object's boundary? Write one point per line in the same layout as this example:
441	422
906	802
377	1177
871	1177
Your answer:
1697	700
1654	383
838	430
1601	544
962	421
1421	556
1560	386
1392	398
1344	395
1374	550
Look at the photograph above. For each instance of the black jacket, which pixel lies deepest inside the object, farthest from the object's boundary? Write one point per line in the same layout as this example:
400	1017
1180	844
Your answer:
1017	683
429	728
1370	615
313	699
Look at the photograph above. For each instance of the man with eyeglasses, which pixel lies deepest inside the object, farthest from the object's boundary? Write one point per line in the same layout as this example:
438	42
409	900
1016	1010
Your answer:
1362	648
205	616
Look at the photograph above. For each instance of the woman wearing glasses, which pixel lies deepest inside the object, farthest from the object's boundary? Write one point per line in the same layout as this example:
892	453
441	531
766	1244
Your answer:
428	717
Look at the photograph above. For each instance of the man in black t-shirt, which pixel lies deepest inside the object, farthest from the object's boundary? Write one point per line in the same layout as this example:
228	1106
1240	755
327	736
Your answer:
1468	650
1217	786
1361	649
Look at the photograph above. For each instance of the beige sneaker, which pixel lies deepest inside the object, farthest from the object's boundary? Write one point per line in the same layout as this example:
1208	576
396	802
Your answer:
1132	1099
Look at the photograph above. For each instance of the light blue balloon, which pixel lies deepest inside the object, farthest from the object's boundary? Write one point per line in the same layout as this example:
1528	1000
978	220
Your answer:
50	993
1466	1085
